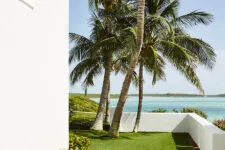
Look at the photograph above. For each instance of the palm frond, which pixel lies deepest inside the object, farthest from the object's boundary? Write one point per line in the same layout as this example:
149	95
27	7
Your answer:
81	48
153	63
171	10
176	53
194	18
81	69
190	74
201	49
92	73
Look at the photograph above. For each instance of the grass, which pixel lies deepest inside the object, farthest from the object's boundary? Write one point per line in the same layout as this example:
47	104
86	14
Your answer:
136	141
81	122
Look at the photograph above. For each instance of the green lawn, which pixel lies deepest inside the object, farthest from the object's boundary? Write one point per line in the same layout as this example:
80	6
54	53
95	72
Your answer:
137	141
81	122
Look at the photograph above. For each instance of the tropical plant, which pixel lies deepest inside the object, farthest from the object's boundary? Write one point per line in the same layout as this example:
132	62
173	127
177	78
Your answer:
220	123
164	37
94	55
160	110
175	110
97	54
78	142
109	5
114	130
194	110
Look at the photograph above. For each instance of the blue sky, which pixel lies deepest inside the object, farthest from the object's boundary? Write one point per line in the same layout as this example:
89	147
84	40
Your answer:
212	81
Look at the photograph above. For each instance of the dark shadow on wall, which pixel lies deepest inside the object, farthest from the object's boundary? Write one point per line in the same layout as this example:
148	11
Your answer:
183	141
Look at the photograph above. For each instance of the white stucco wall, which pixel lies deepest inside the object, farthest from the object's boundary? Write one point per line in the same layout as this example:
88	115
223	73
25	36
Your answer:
33	78
204	133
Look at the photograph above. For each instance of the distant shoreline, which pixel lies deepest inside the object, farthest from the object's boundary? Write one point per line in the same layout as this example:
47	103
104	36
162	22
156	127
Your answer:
152	95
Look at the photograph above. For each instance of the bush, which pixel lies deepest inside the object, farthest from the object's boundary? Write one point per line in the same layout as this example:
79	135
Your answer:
81	121
82	103
78	142
84	121
160	110
194	110
175	110
220	124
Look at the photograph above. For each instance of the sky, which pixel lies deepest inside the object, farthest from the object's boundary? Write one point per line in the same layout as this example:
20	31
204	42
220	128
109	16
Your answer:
213	81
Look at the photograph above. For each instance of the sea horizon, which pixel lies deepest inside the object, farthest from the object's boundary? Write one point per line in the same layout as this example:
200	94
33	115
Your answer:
214	107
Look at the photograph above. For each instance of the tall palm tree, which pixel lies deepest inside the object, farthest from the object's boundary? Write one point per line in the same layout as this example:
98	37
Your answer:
114	130
96	54
111	9
154	40
108	5
183	51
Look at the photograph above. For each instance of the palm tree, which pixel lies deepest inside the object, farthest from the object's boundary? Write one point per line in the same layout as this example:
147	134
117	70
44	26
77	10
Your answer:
97	54
109	5
114	130
94	53
154	40
183	51
112	10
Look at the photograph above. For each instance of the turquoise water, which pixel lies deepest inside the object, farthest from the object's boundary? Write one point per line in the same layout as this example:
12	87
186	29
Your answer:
213	106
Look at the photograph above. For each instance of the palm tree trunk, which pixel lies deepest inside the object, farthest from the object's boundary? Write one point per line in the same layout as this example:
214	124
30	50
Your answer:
114	130
137	123
85	91
98	123
107	116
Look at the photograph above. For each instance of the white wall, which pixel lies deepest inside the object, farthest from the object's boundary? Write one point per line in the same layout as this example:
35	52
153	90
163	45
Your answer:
33	77
205	134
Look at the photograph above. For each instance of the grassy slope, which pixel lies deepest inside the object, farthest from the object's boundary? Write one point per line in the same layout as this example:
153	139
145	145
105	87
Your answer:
82	103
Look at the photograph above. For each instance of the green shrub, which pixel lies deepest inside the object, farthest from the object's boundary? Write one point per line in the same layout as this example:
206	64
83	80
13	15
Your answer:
82	103
78	142
175	110
194	110
81	121
84	121
160	110
220	124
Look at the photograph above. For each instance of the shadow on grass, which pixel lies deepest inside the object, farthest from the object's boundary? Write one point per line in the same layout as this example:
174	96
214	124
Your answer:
182	141
100	135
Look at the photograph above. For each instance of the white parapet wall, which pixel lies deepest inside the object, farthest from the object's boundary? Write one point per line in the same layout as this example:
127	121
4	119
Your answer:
205	134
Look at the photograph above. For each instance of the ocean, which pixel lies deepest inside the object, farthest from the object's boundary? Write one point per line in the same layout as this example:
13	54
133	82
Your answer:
214	107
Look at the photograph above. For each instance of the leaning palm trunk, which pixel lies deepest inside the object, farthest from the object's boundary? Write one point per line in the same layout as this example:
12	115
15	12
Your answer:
98	123
114	130
136	125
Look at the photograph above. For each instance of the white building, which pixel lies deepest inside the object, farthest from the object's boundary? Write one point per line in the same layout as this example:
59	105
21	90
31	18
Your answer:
33	74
